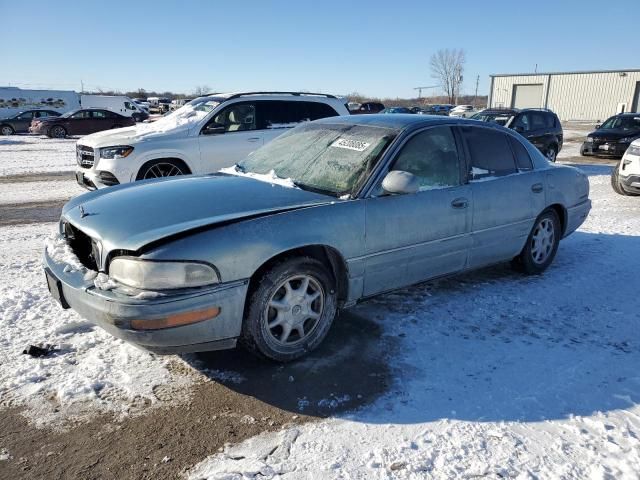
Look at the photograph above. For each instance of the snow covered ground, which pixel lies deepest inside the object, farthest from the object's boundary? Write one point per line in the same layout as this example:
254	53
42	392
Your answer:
498	375
21	154
24	192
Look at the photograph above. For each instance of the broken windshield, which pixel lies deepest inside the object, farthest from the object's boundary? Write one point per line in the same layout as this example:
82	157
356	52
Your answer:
333	159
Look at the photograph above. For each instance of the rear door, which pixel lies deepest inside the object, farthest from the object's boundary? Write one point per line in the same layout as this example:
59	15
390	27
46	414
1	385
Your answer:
414	237
229	137
79	123
507	196
22	122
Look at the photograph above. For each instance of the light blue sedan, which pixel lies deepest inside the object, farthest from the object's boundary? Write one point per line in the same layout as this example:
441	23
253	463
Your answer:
331	213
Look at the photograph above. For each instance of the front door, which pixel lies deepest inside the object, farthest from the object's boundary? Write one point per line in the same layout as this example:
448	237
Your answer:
229	137
414	237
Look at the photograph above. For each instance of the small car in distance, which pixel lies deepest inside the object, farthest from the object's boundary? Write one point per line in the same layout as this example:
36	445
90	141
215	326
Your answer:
540	126
463	111
80	122
265	252
625	177
396	110
20	122
614	136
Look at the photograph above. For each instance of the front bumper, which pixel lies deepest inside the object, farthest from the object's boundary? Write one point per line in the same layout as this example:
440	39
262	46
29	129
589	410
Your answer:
630	183
101	172
607	148
114	312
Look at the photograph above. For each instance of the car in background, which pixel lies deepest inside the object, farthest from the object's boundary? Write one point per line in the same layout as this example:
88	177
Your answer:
540	126
463	111
367	108
80	122
265	253
203	136
625	177
614	136
396	110
20	122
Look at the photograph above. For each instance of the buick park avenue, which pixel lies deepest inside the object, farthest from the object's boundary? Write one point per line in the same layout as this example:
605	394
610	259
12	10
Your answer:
332	212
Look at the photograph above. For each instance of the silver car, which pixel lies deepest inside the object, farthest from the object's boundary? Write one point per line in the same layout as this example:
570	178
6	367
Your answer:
330	213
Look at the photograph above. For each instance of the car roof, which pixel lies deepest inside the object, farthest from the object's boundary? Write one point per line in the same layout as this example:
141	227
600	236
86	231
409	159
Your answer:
400	121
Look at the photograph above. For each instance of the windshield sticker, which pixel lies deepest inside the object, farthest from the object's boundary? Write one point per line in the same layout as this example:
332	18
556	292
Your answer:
356	145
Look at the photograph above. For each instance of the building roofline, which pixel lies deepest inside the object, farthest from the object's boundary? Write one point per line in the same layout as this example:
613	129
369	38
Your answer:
579	72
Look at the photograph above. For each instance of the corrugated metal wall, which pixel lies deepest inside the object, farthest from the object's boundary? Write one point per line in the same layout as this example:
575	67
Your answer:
573	96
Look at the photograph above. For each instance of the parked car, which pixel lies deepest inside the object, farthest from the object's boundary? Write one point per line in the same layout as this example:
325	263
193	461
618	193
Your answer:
20	122
119	104
614	136
541	127
367	107
396	110
203	136
464	111
80	122
625	177
267	251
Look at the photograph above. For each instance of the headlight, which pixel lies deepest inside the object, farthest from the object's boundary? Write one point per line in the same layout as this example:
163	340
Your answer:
159	275
113	152
589	139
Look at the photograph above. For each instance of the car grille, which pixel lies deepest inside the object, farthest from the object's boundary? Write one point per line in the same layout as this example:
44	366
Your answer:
85	156
83	247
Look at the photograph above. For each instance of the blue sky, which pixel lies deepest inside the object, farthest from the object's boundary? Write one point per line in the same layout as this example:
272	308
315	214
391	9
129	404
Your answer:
378	48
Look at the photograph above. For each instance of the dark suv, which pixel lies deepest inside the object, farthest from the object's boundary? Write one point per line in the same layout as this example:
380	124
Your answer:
540	126
613	136
19	123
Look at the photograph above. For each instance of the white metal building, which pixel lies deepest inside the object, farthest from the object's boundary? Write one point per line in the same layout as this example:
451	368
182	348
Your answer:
590	95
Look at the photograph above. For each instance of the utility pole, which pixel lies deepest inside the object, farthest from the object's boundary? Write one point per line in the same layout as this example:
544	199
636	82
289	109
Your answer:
475	97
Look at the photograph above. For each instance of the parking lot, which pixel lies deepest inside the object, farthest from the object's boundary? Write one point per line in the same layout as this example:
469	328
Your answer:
551	361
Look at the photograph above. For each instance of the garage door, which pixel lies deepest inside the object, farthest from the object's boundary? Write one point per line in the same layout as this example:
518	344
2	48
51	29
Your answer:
527	96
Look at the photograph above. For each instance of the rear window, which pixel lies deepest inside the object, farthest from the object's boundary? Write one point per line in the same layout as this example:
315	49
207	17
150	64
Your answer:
523	160
491	155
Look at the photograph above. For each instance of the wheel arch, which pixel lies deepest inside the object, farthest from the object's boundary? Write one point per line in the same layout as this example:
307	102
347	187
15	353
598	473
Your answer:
561	211
325	254
147	163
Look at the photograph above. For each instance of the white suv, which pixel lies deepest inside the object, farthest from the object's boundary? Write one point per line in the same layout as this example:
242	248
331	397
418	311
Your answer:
205	135
625	177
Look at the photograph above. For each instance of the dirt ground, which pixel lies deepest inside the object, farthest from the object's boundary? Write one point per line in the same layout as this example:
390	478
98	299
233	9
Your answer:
167	441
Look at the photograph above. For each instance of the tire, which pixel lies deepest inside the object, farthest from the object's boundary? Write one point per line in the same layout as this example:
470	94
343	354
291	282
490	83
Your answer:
57	132
6	130
540	250
162	168
551	153
615	183
305	317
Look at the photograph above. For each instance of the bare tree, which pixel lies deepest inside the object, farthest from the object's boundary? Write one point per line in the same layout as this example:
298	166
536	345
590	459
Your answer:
201	90
447	66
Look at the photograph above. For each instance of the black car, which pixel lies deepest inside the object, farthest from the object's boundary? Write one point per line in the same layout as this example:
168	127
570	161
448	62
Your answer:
540	126
20	122
613	136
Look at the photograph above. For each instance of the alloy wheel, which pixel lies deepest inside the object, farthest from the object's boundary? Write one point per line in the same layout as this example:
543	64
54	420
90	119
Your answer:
160	170
6	130
542	240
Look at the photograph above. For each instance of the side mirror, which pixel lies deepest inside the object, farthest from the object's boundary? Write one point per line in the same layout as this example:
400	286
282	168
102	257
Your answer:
213	129
400	182
597	126
518	129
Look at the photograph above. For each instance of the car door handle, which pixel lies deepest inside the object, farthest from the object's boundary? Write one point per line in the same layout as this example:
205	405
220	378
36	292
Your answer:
253	139
537	188
460	203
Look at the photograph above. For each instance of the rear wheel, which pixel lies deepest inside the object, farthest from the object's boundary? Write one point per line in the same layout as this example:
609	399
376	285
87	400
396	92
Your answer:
162	168
7	130
57	132
542	244
551	153
290	310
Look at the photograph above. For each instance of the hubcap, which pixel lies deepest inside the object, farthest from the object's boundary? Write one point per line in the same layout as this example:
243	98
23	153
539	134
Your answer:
294	309
6	131
542	240
162	170
58	132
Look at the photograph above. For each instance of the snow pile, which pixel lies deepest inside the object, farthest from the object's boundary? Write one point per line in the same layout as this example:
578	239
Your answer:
498	374
60	252
92	371
270	177
182	119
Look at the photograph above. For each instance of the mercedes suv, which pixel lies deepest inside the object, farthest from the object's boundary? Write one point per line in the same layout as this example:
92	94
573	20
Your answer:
205	135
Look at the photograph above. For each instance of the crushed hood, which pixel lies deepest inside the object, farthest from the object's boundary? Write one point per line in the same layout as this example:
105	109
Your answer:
130	216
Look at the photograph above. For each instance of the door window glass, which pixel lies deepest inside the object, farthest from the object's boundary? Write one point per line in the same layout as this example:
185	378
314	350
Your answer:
98	114
491	155
317	110
26	116
236	118
523	160
81	114
432	157
539	121
522	122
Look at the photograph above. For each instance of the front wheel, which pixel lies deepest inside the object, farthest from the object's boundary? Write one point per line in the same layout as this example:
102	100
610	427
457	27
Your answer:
57	132
615	183
6	130
542	244
290	311
161	168
551	153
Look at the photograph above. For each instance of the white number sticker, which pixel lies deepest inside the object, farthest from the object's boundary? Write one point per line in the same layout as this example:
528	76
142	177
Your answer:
356	145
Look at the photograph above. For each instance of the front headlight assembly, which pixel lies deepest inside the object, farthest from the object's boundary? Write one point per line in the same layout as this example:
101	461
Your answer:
161	275
589	139
121	151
